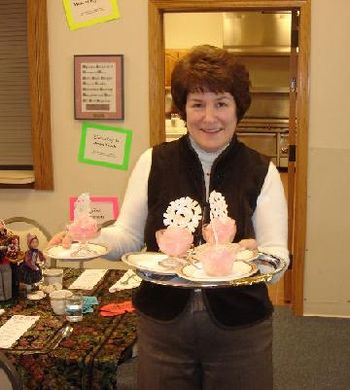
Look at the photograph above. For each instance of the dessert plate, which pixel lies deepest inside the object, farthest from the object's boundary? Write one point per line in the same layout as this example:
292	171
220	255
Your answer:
92	251
195	272
247	255
36	296
149	261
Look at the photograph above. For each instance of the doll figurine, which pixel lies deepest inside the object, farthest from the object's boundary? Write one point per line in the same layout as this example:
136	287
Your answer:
5	268
30	269
10	256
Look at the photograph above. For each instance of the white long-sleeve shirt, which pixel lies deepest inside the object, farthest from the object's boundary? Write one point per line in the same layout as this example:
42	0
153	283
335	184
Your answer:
270	219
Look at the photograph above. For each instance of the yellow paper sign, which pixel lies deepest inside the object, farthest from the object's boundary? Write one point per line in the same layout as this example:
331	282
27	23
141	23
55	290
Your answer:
84	13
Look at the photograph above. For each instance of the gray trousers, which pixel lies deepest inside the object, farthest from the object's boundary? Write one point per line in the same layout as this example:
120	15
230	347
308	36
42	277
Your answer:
192	353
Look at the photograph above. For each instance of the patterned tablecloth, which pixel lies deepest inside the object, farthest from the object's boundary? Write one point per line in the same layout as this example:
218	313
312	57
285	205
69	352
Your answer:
89	357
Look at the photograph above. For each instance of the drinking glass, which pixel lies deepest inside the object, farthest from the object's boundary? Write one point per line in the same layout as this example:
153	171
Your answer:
74	307
83	231
174	242
217	260
219	231
58	300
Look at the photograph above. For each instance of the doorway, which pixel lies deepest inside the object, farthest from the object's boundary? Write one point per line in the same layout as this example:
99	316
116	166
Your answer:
297	168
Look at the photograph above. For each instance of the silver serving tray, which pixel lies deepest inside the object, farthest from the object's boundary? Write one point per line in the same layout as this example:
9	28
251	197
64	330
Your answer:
267	265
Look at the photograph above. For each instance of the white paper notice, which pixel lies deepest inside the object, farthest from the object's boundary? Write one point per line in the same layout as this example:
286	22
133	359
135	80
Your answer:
102	211
88	279
83	11
105	145
14	328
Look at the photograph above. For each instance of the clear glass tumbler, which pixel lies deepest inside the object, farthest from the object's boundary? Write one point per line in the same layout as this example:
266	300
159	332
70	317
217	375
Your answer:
74	307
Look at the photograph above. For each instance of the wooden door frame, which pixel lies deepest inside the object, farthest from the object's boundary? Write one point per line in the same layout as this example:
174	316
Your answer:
39	88
156	10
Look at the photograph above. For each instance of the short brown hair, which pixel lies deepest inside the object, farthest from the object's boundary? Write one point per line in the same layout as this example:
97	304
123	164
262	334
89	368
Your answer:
210	69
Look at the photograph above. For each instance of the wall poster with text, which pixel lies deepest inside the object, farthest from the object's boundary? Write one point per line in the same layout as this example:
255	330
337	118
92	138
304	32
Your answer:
98	87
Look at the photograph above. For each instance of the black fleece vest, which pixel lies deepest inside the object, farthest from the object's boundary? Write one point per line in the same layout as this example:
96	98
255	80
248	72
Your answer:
238	173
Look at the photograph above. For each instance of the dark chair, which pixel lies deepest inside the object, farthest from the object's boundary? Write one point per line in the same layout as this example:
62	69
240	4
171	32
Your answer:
9	378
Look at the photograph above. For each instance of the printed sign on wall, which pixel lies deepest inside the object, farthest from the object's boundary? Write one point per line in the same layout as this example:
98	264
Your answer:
105	145
98	87
103	208
84	13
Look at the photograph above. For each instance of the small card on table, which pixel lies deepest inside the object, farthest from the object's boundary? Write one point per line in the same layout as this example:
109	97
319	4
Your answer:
88	279
14	328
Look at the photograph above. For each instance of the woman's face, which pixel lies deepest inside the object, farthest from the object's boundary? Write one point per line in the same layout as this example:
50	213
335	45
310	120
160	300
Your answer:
211	119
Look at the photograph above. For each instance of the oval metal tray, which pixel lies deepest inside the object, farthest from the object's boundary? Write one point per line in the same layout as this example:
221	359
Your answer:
268	266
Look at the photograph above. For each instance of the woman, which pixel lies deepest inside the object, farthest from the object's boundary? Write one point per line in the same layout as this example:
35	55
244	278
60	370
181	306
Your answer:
204	338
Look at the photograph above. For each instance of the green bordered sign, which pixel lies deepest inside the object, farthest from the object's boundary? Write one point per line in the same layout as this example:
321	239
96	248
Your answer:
103	145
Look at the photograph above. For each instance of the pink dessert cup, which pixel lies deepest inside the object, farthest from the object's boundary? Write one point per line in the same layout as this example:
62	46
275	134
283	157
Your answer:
225	229
83	229
174	241
218	260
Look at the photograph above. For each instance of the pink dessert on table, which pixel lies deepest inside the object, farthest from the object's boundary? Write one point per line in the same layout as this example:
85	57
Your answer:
217	260
84	228
224	227
174	241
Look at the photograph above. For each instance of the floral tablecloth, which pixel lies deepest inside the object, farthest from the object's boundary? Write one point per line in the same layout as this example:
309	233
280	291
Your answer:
89	357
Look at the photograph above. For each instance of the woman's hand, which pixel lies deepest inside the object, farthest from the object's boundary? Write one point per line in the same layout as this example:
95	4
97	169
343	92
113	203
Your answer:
61	238
248	243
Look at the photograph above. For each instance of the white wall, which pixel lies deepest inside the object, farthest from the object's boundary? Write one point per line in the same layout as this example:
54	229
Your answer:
327	262
127	36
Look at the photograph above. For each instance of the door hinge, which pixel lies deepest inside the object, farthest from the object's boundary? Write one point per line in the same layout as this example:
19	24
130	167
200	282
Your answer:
293	85
292	153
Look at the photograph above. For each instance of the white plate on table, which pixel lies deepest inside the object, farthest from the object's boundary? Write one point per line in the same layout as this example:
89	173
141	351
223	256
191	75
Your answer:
60	253
36	296
148	261
195	272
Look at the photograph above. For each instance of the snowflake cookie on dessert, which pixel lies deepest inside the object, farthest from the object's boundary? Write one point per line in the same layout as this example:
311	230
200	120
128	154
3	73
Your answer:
181	219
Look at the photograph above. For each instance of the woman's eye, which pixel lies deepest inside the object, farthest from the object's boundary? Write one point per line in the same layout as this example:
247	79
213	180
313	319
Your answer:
222	104
196	105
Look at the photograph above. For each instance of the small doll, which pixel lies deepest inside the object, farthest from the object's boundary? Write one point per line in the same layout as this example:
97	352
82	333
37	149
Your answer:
5	268
30	269
14	253
10	256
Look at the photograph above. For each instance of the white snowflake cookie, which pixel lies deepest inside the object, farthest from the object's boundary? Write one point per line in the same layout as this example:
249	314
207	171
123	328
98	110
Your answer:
218	205
183	213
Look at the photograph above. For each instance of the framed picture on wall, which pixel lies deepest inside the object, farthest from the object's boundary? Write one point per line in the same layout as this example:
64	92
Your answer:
98	87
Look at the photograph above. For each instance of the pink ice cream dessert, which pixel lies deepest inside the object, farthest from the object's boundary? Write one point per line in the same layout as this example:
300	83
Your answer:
174	241
84	228
217	260
225	229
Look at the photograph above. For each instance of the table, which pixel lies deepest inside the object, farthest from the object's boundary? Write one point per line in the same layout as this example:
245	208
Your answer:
89	357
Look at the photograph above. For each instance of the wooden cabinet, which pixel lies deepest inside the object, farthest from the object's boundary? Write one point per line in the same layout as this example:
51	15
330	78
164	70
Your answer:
171	57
